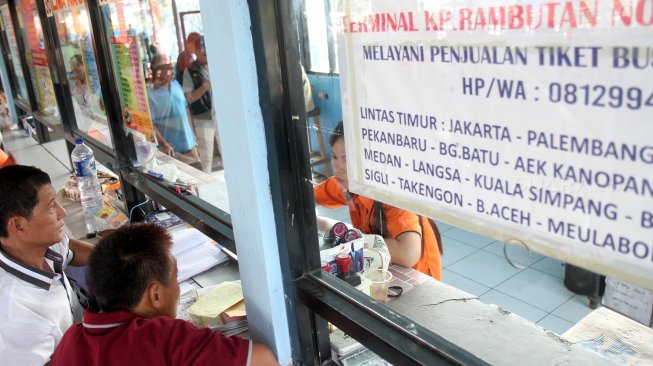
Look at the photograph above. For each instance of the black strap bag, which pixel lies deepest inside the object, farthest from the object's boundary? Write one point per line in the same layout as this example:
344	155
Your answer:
204	104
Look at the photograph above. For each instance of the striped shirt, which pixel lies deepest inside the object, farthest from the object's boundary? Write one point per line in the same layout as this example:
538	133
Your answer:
36	309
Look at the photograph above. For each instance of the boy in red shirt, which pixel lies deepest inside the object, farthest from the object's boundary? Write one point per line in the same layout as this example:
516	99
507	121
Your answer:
133	275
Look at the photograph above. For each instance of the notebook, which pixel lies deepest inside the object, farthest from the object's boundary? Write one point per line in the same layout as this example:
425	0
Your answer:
195	252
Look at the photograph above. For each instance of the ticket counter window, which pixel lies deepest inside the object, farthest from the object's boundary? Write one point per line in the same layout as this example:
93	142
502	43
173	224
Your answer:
387	70
14	55
32	33
76	42
159	59
384	242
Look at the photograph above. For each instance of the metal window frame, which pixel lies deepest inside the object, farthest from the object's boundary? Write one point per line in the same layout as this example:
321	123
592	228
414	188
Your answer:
64	104
202	215
135	184
103	153
182	14
45	121
26	109
316	296
4	46
305	45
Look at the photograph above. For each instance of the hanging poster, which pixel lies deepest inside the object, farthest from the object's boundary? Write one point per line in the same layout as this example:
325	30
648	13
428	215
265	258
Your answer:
526	121
37	60
15	55
129	77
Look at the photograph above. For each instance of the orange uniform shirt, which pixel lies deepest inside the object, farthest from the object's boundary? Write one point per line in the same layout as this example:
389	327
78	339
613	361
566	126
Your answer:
363	217
6	159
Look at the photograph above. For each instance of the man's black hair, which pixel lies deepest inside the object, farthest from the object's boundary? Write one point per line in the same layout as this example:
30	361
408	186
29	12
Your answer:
19	192
126	262
338	133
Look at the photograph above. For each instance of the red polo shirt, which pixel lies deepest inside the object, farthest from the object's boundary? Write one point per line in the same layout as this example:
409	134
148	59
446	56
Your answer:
122	338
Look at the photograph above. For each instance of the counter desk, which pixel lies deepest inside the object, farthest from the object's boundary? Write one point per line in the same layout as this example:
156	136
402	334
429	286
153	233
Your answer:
491	333
77	227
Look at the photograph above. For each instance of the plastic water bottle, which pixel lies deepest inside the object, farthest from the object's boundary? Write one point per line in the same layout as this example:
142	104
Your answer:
86	173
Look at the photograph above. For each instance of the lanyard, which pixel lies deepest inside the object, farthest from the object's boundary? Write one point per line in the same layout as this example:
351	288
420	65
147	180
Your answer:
73	302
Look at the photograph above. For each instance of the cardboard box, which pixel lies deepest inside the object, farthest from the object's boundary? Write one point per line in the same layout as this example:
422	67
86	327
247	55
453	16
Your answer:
630	300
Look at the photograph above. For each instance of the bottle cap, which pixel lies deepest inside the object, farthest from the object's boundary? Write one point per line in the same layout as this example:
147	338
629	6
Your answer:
343	260
343	254
326	266
79	140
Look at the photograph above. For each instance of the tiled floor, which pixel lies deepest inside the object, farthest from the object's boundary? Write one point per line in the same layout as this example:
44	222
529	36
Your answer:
51	157
476	264
472	262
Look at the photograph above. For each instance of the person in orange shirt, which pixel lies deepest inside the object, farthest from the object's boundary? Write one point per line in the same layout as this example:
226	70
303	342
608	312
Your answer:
412	240
6	159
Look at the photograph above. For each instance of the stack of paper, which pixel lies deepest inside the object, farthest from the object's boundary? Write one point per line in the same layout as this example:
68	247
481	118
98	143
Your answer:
221	308
195	252
235	313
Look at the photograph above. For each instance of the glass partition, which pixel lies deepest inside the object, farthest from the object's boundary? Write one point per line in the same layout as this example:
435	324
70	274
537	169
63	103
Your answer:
165	93
76	42
14	55
415	129
32	33
188	18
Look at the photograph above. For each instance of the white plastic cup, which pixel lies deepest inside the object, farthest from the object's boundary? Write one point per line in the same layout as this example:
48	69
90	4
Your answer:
379	282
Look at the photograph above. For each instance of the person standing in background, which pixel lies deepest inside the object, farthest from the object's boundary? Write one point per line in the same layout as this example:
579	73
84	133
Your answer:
197	88
186	57
169	112
79	87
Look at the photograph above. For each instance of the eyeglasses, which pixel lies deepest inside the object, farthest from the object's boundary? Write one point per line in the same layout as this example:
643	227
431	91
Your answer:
163	70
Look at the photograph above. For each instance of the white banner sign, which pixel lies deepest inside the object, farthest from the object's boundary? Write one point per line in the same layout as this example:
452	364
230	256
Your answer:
523	120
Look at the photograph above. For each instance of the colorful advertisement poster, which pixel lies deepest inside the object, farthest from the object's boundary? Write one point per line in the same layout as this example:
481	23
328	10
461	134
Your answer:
129	75
15	55
526	121
37	60
131	82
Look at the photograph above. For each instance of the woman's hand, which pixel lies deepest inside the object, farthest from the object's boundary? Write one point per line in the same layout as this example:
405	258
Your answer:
168	150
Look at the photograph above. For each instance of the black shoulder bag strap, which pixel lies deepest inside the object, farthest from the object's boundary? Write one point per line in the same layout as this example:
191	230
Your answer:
204	103
381	219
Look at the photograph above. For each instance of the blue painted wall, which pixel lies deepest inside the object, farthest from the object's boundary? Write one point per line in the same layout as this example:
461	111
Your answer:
326	96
